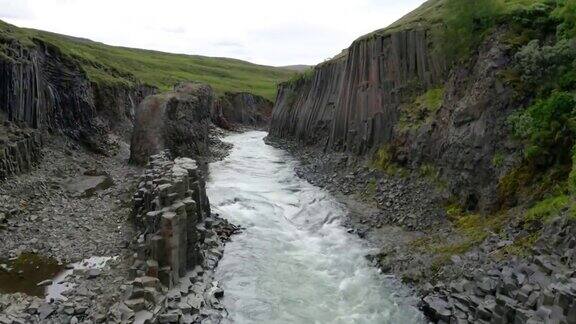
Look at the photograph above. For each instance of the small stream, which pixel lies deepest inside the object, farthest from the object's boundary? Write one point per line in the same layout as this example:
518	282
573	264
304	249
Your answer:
294	262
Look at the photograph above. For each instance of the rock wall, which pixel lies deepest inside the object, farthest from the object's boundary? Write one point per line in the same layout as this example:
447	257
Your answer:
116	106
354	103
469	129
355	98
177	121
19	151
241	108
305	110
41	88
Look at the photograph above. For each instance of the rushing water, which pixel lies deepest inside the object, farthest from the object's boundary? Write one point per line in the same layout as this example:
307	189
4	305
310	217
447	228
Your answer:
294	262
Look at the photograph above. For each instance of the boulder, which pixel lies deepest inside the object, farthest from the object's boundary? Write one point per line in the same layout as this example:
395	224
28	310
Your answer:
177	121
86	186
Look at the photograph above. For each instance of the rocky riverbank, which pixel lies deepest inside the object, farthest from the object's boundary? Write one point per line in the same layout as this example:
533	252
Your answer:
67	230
464	273
73	207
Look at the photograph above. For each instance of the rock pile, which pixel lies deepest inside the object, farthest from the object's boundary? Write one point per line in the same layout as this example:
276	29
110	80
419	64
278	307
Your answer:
178	234
539	289
170	207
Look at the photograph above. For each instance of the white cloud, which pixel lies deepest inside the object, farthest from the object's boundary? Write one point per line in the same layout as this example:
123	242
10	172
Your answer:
261	31
15	9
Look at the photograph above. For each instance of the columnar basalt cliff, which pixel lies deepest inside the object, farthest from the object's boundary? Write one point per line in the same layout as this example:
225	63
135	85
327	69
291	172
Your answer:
241	108
305	109
42	89
359	102
169	207
358	94
379	76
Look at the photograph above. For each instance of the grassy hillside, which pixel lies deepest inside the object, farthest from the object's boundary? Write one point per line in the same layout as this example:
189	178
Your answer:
433	12
118	65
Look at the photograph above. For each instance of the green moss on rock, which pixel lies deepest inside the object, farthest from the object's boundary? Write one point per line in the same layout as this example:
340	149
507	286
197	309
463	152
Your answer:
422	110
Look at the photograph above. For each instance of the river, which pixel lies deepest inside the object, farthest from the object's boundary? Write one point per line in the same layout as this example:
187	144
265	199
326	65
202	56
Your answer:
294	262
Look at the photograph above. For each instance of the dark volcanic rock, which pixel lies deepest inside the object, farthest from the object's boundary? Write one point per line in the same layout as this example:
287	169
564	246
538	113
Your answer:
179	245
355	101
355	98
241	108
20	150
42	89
178	121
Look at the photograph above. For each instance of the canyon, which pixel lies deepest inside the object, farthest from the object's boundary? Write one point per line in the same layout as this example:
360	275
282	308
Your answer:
393	183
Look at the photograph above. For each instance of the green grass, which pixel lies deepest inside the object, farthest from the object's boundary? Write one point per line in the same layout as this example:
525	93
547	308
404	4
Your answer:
473	228
383	161
422	110
498	159
434	12
106	64
548	208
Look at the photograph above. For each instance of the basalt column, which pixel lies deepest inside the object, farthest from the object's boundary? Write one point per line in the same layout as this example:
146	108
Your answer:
169	208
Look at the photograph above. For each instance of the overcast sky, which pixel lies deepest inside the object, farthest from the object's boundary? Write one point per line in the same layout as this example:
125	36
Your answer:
268	32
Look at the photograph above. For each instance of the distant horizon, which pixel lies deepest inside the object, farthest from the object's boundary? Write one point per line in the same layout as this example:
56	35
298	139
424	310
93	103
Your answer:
278	34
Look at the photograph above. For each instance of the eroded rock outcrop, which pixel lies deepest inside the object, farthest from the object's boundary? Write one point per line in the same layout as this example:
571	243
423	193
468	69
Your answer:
241	108
20	150
177	121
179	246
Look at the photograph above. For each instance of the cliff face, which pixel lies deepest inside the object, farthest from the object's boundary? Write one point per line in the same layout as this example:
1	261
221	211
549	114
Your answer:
42	90
241	108
358	102
305	109
355	98
116	106
469	129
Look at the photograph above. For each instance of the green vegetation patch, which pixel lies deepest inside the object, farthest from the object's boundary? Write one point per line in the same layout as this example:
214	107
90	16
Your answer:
106	64
422	110
548	208
474	229
498	159
521	247
304	76
466	23
548	127
383	160
566	13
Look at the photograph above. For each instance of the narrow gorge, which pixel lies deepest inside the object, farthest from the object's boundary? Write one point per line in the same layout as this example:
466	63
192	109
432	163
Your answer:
424	174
